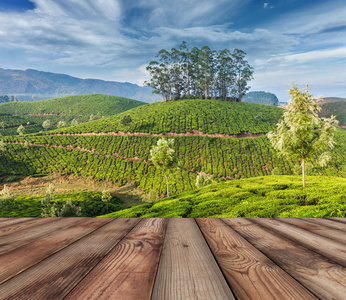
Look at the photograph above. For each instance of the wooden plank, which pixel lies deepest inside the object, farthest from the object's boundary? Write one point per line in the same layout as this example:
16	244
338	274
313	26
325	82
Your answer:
250	274
343	220
19	226
23	237
54	277
187	268
11	221
21	258
323	277
129	270
334	250
328	223
334	234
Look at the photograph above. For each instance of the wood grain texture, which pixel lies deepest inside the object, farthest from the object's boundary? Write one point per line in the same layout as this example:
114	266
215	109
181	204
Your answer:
327	223
342	220
19	226
11	221
187	268
323	277
23	237
334	234
334	250
250	274
21	258
54	277
129	270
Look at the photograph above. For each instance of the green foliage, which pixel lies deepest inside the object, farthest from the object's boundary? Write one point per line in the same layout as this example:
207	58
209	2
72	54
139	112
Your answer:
60	111
163	156
261	197
90	205
111	158
7	204
203	73
207	116
2	146
69	209
20	129
301	135
203	180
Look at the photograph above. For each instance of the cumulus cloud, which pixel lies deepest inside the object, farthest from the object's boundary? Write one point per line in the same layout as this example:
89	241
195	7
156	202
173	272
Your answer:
115	39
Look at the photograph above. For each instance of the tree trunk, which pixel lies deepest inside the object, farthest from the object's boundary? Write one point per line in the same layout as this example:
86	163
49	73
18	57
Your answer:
303	172
167	183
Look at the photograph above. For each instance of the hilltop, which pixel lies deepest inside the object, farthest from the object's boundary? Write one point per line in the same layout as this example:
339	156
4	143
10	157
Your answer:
45	85
223	139
191	116
66	109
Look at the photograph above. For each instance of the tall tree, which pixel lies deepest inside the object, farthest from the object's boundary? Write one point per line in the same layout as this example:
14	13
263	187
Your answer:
302	135
164	157
243	73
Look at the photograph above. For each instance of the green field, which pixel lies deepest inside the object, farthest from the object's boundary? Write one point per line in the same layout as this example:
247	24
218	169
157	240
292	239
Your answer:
112	158
209	136
90	203
263	197
32	114
206	116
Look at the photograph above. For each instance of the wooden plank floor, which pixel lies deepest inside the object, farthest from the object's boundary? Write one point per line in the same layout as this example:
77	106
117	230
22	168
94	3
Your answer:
162	259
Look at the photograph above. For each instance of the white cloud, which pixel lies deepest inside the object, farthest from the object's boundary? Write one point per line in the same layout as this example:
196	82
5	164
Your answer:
265	5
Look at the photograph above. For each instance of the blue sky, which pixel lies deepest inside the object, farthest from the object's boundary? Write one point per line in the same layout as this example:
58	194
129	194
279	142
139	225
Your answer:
285	41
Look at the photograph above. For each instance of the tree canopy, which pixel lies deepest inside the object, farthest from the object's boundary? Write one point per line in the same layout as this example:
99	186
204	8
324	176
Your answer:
302	135
200	73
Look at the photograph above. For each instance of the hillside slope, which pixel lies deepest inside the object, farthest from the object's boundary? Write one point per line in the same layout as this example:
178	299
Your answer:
264	197
204	116
209	136
337	108
65	109
45	85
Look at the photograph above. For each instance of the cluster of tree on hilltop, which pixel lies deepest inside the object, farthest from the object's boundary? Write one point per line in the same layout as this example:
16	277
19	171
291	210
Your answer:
200	73
5	99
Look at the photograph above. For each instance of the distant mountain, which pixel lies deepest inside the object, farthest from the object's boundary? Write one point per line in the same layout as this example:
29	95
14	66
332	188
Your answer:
44	85
261	98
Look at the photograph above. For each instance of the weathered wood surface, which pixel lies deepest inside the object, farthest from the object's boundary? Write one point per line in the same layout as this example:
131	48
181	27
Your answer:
249	272
105	258
129	270
324	278
187	267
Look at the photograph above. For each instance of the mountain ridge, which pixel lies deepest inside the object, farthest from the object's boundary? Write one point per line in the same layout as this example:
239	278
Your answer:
45	85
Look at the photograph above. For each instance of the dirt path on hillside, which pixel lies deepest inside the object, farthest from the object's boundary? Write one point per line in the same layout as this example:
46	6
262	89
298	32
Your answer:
172	134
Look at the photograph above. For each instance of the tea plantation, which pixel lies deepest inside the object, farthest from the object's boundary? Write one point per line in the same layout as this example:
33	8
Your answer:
265	197
110	157
32	114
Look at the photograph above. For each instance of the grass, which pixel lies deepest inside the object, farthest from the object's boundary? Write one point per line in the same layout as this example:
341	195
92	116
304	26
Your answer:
261	197
32	114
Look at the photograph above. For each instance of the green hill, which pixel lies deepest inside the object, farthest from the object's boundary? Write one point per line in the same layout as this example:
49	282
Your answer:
204	116
337	109
265	197
32	114
203	131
